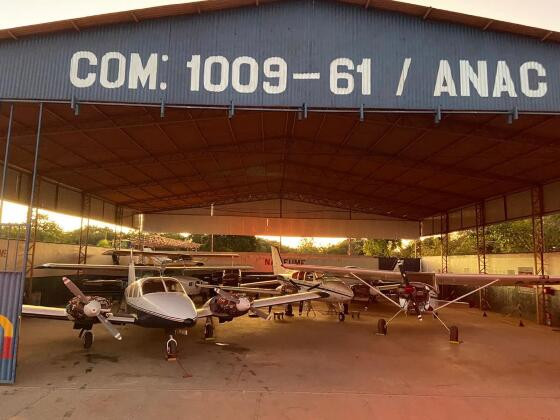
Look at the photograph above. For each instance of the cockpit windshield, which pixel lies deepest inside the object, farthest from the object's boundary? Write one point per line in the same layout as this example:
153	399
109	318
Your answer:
152	286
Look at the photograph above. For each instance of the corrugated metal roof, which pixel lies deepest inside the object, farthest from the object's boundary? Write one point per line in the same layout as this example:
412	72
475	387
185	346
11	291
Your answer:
402	165
422	12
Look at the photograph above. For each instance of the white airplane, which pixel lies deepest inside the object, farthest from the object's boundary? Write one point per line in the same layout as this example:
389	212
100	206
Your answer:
156	302
420	297
335	291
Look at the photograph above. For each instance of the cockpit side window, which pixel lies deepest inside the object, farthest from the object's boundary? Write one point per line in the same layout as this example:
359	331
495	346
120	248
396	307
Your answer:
152	286
173	285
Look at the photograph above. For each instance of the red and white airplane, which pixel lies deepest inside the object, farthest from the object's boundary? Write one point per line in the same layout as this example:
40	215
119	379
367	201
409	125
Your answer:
420	295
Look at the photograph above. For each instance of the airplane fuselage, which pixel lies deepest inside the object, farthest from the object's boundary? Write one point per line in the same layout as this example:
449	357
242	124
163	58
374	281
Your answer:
160	302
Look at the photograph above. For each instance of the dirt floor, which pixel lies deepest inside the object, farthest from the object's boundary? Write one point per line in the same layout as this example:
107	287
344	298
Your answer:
299	368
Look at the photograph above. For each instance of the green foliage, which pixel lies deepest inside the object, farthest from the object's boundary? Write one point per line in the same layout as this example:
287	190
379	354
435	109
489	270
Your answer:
226	243
382	247
306	246
104	243
508	237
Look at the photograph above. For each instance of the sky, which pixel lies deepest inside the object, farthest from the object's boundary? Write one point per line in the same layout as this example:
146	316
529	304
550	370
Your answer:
538	13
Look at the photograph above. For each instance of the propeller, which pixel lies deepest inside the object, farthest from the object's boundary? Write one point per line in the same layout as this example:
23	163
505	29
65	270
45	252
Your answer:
226	295
242	304
92	308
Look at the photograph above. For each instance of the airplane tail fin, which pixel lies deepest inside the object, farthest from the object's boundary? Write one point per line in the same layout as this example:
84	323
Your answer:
277	265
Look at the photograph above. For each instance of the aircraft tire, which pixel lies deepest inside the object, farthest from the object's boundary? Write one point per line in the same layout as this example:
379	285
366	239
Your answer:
88	339
454	334
382	327
341	316
208	331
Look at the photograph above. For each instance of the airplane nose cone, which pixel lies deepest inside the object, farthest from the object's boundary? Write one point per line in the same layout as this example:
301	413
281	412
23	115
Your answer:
173	305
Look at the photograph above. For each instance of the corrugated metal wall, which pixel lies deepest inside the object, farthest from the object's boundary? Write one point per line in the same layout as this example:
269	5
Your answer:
451	66
499	209
11	292
59	198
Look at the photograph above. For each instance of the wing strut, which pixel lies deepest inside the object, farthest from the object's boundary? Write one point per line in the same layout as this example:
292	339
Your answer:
439	308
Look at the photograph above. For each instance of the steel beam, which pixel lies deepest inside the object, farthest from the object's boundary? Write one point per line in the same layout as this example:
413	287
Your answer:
444	237
6	160
480	230
31	204
84	228
538	252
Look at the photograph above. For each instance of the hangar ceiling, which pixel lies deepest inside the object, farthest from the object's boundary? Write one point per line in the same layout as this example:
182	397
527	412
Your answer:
402	165
398	166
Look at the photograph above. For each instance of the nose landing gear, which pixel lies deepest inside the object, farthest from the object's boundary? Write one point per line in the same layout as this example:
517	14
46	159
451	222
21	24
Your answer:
171	348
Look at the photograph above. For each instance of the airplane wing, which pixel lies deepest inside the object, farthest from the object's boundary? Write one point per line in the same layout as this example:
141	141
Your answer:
93	267
205	311
104	267
126	252
44	312
49	312
250	290
379	274
262	283
504	279
447	278
285	299
205	268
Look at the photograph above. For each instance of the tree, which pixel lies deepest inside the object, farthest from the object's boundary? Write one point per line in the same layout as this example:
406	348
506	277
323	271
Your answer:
306	246
226	243
382	247
48	231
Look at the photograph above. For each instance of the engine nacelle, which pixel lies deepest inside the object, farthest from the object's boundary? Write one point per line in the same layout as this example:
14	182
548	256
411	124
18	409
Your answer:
287	289
75	308
419	294
224	308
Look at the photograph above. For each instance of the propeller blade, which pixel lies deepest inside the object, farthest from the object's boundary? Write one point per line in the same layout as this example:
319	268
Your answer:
75	290
109	327
261	314
226	295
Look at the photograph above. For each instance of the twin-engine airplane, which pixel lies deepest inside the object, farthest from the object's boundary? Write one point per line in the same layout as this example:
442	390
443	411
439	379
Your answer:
421	296
156	302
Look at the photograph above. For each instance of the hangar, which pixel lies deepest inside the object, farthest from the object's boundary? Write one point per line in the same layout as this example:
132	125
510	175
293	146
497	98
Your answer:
246	117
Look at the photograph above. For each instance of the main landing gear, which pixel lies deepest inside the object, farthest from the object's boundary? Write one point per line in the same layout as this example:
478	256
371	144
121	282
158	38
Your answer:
453	330
208	329
342	311
87	337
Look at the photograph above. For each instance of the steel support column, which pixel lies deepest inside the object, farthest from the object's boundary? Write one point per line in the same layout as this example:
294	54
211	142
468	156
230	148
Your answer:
481	251
84	228
543	314
418	248
117	239
31	204
6	159
444	237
